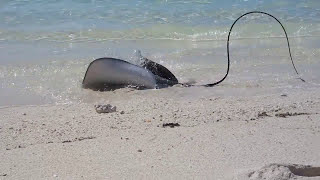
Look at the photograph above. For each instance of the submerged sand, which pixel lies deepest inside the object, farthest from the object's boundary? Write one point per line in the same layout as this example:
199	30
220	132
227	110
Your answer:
273	136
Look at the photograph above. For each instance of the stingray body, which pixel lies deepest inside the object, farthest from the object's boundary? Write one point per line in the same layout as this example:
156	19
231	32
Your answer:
111	73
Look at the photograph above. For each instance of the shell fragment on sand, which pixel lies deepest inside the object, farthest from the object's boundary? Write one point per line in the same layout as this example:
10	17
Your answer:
105	108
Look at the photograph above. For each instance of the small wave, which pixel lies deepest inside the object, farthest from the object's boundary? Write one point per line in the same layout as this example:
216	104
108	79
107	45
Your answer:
166	32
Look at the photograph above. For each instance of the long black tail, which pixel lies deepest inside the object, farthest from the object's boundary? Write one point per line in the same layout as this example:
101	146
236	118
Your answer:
252	12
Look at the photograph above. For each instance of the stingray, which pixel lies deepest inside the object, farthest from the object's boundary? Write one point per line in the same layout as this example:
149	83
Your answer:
112	73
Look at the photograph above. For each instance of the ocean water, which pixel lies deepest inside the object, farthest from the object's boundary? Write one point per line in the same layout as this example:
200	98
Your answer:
46	46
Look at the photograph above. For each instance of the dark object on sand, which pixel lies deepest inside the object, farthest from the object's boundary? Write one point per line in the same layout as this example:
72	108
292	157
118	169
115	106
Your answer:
111	73
172	125
284	115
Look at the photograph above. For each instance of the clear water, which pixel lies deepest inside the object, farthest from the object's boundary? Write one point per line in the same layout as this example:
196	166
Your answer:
46	46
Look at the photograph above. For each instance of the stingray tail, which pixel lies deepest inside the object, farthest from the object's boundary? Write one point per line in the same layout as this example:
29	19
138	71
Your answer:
254	12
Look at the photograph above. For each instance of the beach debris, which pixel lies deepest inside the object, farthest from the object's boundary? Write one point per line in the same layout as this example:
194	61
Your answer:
172	125
284	95
139	150
3	175
105	108
284	171
263	114
278	109
84	138
122	112
21	146
24	114
284	115
66	141
78	139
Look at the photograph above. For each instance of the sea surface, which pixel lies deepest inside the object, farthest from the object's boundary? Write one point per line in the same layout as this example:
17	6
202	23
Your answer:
46	46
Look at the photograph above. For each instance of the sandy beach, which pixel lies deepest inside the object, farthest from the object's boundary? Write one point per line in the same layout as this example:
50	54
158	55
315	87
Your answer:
273	136
260	123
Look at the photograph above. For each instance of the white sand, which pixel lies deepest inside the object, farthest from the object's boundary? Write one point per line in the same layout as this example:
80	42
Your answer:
218	137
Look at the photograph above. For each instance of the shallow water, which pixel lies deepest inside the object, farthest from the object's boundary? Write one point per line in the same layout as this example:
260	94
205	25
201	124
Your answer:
45	47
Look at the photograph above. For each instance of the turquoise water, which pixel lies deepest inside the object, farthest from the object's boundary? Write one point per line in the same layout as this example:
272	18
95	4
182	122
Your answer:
45	46
93	20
